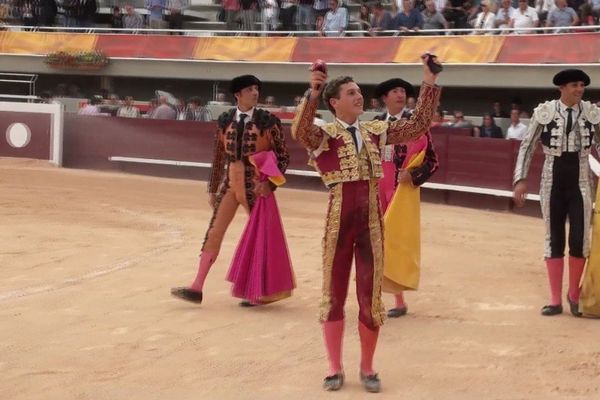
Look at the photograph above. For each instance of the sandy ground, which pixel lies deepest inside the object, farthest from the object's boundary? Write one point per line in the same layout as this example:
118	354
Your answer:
87	260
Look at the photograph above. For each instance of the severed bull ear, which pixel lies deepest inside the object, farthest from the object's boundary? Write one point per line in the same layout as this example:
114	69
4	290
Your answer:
319	65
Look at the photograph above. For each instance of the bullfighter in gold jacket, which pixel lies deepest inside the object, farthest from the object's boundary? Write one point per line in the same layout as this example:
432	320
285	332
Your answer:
346	153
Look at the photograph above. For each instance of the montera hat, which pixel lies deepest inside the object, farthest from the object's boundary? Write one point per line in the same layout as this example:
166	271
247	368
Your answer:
384	87
571	75
241	82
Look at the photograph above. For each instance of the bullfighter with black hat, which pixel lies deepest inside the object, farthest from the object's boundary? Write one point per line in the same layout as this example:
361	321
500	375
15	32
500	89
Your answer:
241	132
394	93
567	127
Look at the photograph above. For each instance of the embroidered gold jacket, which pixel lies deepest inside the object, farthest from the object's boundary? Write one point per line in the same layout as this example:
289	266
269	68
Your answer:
331	147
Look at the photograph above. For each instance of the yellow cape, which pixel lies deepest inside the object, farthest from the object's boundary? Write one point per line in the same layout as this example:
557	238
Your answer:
589	302
402	236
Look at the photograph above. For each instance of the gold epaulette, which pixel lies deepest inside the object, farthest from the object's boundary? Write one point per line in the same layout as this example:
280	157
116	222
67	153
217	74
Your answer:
375	127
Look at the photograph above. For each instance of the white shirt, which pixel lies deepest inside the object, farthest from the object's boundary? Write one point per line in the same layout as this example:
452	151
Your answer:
525	19
545	5
359	141
501	15
517	132
397	116
249	114
485	21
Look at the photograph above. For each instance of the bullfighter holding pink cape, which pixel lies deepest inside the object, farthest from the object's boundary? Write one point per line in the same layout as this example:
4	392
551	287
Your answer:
261	271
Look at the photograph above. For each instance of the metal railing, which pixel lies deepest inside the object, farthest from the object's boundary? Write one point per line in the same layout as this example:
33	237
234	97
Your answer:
363	33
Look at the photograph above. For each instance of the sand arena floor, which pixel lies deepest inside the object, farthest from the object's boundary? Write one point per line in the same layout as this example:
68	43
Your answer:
87	260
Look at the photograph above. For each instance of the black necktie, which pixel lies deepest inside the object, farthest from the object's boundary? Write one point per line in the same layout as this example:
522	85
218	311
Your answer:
240	136
392	119
569	120
352	130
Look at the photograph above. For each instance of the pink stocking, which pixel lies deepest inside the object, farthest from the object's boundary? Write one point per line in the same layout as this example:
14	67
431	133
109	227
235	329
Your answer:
206	261
555	268
333	333
576	265
368	343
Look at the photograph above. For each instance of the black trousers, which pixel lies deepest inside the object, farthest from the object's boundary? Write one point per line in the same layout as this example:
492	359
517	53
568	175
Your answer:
566	201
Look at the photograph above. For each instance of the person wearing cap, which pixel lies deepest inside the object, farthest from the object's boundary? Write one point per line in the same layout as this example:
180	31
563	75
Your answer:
347	155
241	132
394	93
566	127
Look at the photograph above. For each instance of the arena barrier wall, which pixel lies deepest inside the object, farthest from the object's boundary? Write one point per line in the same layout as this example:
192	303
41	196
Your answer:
575	48
31	131
475	172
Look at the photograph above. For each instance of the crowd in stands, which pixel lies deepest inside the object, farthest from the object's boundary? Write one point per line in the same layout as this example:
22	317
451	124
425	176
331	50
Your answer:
326	17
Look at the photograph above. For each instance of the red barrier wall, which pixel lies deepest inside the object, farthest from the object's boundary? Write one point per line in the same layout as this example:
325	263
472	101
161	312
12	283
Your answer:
90	141
40	127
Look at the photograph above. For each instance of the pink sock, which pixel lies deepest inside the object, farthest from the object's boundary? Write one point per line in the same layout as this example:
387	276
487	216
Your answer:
333	333
576	266
555	268
206	261
400	300
368	343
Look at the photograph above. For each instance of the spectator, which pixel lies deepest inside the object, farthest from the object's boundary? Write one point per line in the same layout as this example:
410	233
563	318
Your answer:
270	15
156	8
504	14
595	4
248	14
164	110
304	15
489	129
381	20
87	13
562	16
543	8
91	108
111	106
287	14
459	121
432	19
231	9
132	20
587	17
517	130
46	11
336	20
320	7
438	118
116	19
153	104
320	24
128	110
364	17
411	103
221	100
196	112
485	19
524	17
270	102
375	105
409	19
497	111
181	110
455	14
176	9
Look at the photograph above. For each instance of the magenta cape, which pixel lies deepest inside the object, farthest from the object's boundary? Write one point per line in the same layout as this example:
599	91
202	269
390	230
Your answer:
261	270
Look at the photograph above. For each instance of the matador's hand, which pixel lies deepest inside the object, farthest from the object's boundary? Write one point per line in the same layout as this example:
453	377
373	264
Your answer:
519	193
263	189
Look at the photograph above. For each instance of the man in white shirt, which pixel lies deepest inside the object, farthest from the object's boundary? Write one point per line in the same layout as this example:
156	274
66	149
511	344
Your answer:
517	130
336	20
524	17
504	14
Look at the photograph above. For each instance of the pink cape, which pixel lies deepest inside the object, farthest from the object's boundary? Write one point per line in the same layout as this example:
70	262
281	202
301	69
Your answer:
261	270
